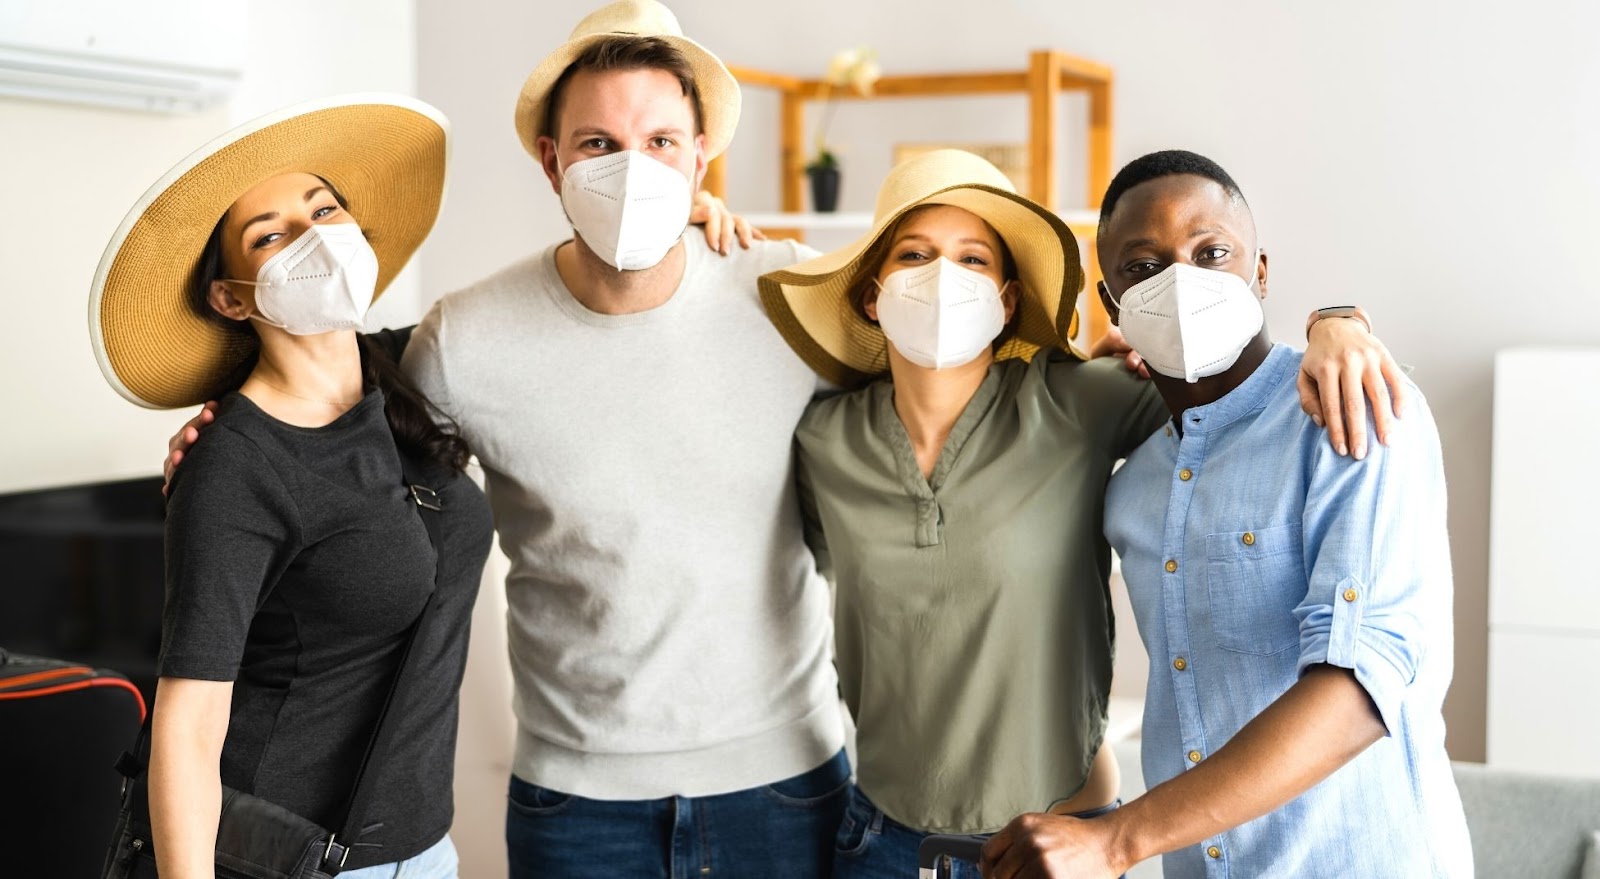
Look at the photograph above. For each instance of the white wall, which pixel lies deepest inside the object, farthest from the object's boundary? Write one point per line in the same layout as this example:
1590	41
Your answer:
70	174
1431	160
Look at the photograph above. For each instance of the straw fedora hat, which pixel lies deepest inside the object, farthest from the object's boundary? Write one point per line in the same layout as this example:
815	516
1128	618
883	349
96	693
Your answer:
385	154
719	91
810	303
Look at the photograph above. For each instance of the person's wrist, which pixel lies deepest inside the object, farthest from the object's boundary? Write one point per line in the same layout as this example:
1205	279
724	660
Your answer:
1347	312
1124	847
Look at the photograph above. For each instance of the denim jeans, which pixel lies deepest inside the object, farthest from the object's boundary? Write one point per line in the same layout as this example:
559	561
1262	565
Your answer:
871	845
781	829
437	862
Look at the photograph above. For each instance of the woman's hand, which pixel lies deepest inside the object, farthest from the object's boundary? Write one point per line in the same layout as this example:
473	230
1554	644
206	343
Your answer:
1113	345
722	226
1344	367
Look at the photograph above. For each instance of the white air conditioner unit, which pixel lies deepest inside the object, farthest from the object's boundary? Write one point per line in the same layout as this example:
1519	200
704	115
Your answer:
177	56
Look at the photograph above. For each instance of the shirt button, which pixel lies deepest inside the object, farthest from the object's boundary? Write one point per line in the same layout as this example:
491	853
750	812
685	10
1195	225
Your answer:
1249	538
1349	595
1172	566
1194	756
1180	663
1186	474
1214	853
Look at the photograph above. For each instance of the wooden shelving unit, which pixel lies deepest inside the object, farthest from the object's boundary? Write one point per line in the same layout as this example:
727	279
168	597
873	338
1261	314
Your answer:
1049	74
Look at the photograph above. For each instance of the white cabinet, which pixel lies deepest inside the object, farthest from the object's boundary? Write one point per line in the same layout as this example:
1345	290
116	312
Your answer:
1544	563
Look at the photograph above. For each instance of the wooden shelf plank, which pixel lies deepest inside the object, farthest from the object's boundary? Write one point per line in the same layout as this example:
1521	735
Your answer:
850	221
1082	222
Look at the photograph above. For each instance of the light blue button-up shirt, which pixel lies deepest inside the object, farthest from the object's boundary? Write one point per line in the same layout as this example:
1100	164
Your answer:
1251	552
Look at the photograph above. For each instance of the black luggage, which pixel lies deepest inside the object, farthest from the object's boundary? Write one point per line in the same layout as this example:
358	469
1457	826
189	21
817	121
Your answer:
62	728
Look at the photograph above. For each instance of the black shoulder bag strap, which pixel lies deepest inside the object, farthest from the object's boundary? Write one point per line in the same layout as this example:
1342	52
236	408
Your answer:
343	838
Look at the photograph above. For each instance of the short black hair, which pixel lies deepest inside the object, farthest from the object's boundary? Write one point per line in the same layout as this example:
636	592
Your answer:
1165	163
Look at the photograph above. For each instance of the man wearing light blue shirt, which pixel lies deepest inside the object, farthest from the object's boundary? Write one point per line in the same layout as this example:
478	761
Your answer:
1296	604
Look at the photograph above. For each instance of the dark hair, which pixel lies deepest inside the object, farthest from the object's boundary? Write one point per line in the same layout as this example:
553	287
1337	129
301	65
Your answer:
870	261
625	52
413	419
1165	163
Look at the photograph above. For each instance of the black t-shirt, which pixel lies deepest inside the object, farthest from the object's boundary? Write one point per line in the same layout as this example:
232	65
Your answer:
296	563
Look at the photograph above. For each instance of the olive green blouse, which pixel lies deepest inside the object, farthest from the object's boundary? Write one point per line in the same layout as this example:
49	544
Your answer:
972	612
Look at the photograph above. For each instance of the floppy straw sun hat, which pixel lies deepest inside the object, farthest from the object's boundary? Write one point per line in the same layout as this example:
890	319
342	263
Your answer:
810	303
385	154
719	91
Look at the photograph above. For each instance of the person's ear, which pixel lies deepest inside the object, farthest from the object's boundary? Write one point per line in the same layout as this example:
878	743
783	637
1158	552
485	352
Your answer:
1112	310
547	161
869	302
1261	275
1009	294
223	301
700	161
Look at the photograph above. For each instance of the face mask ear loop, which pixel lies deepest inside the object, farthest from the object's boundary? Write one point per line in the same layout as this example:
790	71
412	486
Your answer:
1255	271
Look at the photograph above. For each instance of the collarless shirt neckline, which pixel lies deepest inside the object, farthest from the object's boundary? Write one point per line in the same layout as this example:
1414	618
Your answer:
1251	395
925	490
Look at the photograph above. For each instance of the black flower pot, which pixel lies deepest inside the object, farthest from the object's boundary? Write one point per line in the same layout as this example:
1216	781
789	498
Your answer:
824	188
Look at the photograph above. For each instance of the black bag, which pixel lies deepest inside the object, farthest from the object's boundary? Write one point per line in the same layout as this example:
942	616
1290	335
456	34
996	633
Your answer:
62	724
257	839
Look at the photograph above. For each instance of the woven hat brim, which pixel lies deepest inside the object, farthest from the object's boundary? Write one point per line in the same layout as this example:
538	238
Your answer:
720	98
809	303
386	154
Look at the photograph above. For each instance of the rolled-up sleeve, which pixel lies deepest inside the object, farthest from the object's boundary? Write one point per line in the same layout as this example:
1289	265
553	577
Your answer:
1378	558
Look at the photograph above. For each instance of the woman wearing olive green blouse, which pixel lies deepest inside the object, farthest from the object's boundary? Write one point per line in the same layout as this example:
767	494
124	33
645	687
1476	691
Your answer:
957	507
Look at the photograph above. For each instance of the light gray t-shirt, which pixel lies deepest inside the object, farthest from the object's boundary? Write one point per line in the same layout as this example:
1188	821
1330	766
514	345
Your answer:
669	633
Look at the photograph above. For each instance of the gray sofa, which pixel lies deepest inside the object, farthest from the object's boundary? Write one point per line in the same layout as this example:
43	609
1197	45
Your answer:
1532	826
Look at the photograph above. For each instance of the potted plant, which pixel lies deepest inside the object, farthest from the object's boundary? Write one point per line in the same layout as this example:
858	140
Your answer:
857	70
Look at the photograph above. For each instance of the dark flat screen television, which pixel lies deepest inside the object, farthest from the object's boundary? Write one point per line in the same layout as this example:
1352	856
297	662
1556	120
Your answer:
81	575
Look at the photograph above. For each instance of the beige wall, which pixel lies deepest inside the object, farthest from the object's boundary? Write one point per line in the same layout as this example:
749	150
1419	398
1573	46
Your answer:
1432	160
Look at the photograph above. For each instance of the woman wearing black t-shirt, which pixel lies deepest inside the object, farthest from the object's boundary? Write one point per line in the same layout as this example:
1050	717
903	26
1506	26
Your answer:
296	562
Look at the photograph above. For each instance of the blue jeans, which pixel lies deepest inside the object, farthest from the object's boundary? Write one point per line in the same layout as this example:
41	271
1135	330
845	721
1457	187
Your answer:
782	829
438	862
871	845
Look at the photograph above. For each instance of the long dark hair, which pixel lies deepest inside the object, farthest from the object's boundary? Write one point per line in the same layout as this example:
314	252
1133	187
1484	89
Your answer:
421	430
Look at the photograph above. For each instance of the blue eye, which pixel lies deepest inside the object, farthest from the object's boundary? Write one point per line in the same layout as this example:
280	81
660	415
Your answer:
324	212
265	240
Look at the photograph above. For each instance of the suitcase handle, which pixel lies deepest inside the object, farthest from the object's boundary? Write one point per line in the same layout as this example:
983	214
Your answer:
937	850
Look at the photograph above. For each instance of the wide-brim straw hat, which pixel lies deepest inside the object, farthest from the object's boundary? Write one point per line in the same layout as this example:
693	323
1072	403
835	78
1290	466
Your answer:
810	303
719	91
386	154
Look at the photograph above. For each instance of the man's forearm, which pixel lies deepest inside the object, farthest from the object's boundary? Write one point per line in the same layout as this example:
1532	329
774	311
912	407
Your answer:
1321	723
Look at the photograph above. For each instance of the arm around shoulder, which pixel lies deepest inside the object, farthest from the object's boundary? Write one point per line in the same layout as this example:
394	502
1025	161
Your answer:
1379	586
1117	408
